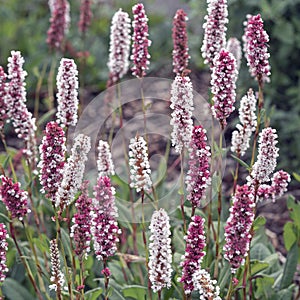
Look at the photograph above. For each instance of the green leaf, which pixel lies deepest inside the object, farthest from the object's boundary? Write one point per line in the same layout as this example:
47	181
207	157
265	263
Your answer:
259	222
44	118
258	266
264	288
13	290
290	267
294	209
93	294
241	162
296	176
289	235
259	251
135	292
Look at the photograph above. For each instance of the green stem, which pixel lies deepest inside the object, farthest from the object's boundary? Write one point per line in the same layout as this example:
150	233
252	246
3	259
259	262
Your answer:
50	83
230	289
182	189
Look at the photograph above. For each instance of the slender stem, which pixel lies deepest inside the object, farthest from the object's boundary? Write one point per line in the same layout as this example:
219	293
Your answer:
38	90
144	111
71	241
230	289
28	271
182	188
50	83
216	270
236	174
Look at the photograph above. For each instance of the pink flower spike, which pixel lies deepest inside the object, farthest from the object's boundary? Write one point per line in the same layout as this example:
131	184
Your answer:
256	48
15	199
104	162
266	159
214	30
52	160
3	250
140	55
17	111
119	48
241	136
104	228
181	117
194	253
85	15
238	227
160	253
59	23
81	228
67	93
280	181
180	43
3	91
198	176
234	47
223	78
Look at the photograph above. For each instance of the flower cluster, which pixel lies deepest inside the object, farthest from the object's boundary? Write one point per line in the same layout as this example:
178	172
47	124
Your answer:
180	43
139	165
140	55
81	228
234	47
223	78
119	46
277	188
104	227
214	30
181	117
15	100
15	199
241	136
59	23
85	15
198	176
104	162
67	94
238	227
194	252
160	254
3	109
73	171
57	277
207	287
3	250
52	161
266	158
256	48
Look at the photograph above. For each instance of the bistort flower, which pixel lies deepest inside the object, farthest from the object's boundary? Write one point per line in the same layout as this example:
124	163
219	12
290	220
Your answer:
59	23
85	15
223	78
234	47
104	162
207	287
256	48
140	55
119	47
198	176
160	254
181	117
266	159
104	228
52	161
180	43
81	228
14	198
57	277
241	136
3	91
194	252
73	171
238	227
139	165
280	181
67	93
214	30
3	250
17	111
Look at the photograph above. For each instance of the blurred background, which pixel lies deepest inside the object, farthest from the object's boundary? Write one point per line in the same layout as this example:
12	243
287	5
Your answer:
24	26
